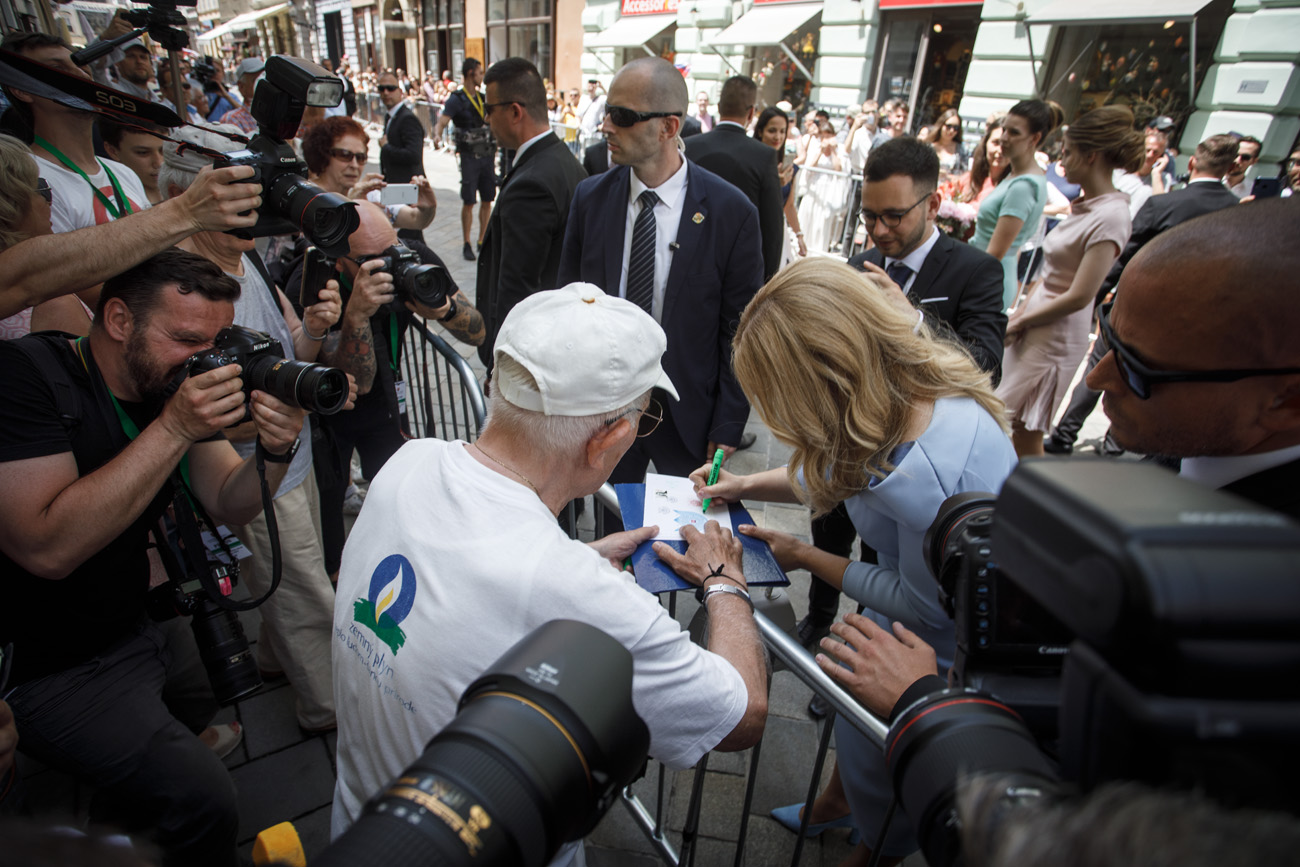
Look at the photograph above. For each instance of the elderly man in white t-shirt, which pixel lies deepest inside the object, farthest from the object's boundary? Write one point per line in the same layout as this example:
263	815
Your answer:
457	555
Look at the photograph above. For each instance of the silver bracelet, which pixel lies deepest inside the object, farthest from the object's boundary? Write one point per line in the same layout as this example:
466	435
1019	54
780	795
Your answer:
730	591
310	336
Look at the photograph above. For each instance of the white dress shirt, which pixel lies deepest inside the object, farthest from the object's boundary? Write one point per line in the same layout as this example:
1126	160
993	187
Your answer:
1218	472
668	216
519	151
916	259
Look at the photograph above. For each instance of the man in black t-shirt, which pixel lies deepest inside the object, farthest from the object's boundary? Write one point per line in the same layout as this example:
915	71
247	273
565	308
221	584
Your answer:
88	443
467	108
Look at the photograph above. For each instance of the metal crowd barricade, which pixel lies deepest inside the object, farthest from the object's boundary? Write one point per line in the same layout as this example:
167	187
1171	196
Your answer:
787	651
443	397
846	214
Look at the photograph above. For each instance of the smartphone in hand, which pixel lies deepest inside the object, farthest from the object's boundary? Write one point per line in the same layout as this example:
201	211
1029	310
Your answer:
399	194
317	270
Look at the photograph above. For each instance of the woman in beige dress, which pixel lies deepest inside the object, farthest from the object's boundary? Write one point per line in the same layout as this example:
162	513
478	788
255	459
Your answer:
1047	336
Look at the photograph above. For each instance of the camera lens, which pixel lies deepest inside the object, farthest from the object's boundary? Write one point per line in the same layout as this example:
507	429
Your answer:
427	284
327	219
313	387
542	745
224	650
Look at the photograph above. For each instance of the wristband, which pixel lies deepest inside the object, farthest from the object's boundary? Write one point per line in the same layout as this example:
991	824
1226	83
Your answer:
278	459
306	333
451	312
728	590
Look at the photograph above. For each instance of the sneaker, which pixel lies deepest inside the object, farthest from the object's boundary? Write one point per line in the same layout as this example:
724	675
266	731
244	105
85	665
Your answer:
1053	446
468	252
811	632
353	501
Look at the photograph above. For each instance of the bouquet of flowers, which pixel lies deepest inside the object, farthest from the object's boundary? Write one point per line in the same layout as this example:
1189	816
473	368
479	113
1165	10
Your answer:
957	211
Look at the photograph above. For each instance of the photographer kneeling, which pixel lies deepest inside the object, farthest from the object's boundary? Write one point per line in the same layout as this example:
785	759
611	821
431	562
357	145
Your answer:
89	440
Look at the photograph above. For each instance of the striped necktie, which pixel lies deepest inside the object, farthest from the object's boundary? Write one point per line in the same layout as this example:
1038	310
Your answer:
641	261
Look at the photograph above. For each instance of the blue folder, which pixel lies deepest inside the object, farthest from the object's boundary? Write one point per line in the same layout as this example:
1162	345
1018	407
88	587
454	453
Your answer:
654	575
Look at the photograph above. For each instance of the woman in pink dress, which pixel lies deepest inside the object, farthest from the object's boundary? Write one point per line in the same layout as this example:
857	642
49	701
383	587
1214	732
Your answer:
1047	336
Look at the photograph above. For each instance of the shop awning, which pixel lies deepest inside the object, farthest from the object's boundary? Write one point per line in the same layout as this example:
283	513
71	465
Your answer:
242	22
631	31
767	24
1116	12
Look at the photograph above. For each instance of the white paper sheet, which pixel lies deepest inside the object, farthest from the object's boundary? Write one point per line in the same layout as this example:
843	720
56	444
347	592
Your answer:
670	502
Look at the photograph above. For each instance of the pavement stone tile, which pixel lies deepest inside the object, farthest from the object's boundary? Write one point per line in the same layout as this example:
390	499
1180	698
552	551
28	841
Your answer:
787	519
270	721
789	749
720	805
788	698
598	856
282	786
314	831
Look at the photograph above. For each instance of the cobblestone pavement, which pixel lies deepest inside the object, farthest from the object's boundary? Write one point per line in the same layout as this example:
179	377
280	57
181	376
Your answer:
283	774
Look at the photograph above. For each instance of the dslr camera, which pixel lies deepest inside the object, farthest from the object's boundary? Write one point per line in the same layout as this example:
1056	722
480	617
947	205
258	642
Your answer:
312	387
413	280
289	203
1114	622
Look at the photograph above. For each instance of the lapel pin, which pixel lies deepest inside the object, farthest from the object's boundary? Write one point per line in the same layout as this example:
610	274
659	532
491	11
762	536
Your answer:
698	218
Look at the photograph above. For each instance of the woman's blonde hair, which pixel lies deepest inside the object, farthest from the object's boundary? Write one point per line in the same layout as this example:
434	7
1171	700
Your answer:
1109	131
17	184
836	369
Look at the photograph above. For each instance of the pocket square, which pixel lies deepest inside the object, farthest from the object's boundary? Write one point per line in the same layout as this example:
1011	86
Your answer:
930	300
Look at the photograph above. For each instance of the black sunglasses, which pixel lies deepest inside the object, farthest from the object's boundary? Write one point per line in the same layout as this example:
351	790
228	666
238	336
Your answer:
1139	377
43	190
347	156
626	117
891	219
387	87
488	106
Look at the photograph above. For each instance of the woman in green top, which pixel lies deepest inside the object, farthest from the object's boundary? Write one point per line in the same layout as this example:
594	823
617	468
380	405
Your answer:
1009	216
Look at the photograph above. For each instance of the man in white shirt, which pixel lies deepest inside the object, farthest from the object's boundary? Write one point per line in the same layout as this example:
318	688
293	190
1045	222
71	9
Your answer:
1204	365
457	555
1248	149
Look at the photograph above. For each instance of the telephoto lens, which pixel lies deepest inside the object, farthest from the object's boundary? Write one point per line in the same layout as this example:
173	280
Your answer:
543	743
312	387
224	649
327	219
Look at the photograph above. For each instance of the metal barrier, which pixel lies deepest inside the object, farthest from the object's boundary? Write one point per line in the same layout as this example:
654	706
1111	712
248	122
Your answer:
847	214
443	398
786	650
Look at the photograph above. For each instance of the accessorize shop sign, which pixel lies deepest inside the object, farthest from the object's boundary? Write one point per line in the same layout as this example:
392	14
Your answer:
649	7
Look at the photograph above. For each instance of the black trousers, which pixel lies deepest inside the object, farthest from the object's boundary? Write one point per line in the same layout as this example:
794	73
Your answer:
1083	400
108	721
375	442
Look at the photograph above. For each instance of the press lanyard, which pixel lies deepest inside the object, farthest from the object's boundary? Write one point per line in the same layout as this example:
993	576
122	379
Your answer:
470	94
123	202
392	328
129	426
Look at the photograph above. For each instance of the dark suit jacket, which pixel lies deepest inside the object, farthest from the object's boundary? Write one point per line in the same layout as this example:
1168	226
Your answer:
1164	212
403	157
716	269
960	290
1277	488
751	167
595	159
690	127
521	252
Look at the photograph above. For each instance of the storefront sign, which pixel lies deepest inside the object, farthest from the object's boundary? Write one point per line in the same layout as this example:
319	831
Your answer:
770	2
649	7
922	4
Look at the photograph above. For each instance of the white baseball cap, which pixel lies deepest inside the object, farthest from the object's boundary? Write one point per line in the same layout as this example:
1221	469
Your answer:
249	66
577	351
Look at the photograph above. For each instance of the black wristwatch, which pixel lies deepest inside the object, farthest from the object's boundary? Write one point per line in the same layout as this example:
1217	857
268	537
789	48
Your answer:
451	312
278	459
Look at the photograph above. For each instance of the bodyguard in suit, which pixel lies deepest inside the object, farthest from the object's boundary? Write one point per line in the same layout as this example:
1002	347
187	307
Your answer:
595	158
1205	192
952	283
684	245
521	252
957	288
401	148
745	162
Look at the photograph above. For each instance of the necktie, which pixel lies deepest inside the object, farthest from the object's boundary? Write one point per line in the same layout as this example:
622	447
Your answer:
641	261
899	273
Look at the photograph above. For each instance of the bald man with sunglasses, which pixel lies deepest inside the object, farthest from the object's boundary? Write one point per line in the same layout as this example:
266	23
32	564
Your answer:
682	244
1204	365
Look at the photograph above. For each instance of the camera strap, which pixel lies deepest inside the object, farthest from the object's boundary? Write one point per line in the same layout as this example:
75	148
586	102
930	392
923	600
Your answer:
122	201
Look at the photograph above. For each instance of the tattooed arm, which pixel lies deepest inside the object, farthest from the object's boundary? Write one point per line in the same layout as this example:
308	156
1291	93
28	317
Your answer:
466	325
352	347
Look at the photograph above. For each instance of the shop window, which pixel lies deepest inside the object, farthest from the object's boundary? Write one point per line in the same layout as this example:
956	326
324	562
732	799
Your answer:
785	70
521	28
1144	66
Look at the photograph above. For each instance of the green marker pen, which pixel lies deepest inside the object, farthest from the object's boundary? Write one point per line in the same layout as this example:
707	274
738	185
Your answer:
713	475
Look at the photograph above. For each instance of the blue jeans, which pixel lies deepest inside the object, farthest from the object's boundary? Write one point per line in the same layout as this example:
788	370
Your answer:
106	722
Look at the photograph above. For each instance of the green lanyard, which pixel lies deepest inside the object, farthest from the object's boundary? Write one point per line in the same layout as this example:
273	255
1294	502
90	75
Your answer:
392	329
123	202
129	426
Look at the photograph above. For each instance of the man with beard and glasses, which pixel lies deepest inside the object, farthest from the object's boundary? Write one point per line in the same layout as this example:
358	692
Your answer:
90	445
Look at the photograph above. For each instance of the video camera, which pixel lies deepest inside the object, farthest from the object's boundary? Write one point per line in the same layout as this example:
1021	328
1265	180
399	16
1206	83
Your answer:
1154	618
541	746
413	280
289	203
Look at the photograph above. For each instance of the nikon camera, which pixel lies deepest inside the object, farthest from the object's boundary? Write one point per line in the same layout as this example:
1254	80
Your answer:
312	387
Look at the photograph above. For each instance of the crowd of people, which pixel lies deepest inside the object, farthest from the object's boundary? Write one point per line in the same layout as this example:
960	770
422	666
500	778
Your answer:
640	286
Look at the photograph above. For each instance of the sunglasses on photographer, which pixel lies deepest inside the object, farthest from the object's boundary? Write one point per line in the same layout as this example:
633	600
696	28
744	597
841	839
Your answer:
1139	377
626	117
